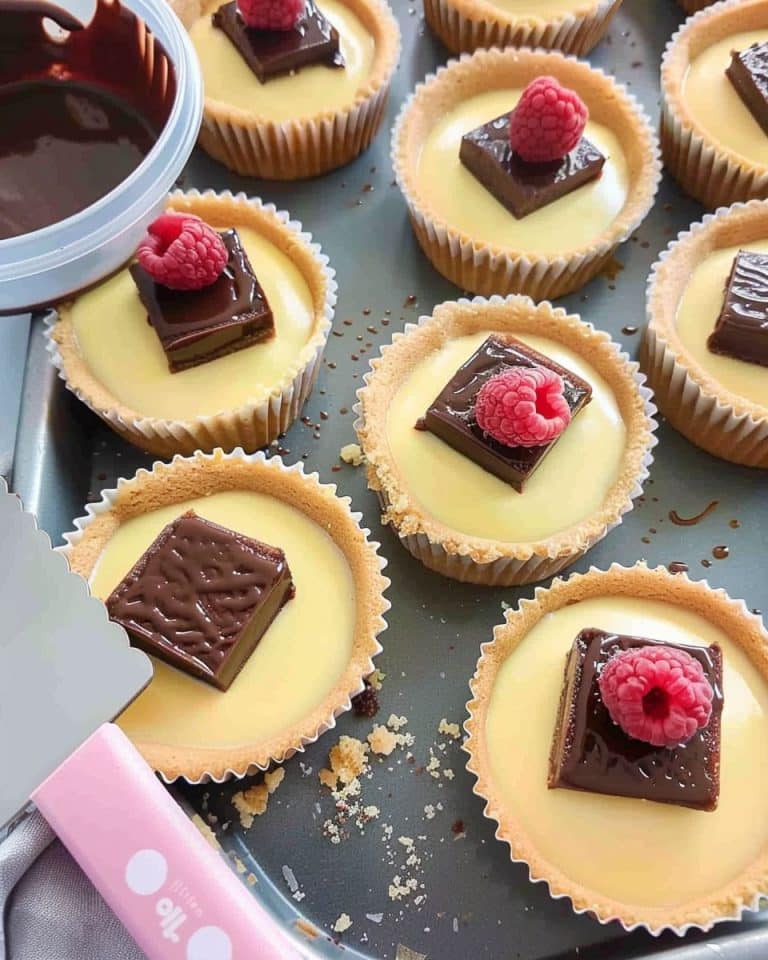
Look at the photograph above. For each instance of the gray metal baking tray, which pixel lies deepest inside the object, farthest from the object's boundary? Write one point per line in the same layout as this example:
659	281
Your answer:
478	905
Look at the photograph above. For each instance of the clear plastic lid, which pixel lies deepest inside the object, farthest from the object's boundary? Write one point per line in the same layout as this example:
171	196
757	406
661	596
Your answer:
47	265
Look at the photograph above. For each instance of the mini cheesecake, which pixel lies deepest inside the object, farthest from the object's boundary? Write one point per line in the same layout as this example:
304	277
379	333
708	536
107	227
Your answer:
474	508
269	547
705	349
714	107
174	371
659	837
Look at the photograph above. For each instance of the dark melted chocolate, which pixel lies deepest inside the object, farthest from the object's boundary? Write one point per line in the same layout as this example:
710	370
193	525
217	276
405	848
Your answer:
76	117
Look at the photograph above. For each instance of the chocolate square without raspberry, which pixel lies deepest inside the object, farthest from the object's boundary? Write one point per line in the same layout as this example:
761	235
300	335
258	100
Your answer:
201	597
590	752
520	186
271	53
195	326
748	72
741	330
451	416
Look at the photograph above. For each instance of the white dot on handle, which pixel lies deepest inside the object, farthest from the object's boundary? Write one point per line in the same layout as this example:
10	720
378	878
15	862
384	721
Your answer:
209	943
146	872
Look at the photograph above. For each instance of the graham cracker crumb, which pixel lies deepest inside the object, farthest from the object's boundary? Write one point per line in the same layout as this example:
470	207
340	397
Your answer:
449	729
252	803
395	722
352	454
382	741
343	923
348	759
376	679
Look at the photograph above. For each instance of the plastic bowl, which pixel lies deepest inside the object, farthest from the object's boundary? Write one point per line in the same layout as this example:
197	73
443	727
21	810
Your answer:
46	266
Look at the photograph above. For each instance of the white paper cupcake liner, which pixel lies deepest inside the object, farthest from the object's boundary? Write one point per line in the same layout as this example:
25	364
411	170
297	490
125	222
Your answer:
463	27
709	172
485	269
252	425
376	603
731	905
311	146
719	422
533	566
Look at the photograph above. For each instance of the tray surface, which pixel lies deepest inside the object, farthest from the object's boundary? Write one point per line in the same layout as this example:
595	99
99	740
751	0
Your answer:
476	903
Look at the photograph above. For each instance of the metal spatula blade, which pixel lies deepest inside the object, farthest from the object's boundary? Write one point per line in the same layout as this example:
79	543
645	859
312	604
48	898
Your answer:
65	668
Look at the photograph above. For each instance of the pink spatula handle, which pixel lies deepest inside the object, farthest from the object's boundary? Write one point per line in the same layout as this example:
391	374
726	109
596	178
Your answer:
174	893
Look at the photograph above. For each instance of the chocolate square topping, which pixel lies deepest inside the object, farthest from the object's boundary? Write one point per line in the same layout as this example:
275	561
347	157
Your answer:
748	72
741	330
270	53
201	597
452	414
520	186
591	752
195	326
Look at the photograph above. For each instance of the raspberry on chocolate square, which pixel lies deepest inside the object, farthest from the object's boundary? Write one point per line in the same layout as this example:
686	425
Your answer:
452	415
201	597
593	753
741	330
524	187
195	326
272	53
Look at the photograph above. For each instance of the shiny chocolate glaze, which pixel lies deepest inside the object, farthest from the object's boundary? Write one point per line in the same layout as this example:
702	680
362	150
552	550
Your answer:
748	72
201	597
590	752
78	115
452	414
520	186
195	326
741	330
270	53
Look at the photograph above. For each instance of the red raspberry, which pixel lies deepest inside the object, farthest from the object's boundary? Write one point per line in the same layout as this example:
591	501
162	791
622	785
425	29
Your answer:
656	694
548	121
523	407
182	252
271	14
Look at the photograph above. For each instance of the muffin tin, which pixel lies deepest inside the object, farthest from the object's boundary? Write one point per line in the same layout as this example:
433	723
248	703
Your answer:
478	905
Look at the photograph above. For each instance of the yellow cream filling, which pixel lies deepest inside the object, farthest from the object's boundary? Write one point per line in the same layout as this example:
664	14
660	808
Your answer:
298	660
697	313
305	93
714	104
635	851
123	351
571	483
458	198
541	9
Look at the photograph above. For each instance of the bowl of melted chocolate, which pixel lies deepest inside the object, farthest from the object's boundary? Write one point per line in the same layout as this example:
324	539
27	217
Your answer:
96	123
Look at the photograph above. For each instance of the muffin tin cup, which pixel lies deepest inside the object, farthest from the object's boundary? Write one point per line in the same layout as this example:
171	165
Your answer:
311	146
484	269
250	426
722	423
187	475
463	26
530	563
739	897
708	171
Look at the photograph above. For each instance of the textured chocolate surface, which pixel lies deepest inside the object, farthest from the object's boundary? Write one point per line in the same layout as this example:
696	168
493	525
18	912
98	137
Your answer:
524	187
452	414
201	597
748	72
270	53
195	326
590	752
741	330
